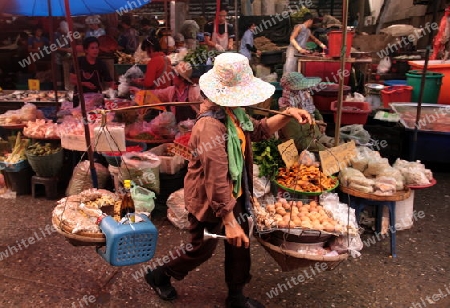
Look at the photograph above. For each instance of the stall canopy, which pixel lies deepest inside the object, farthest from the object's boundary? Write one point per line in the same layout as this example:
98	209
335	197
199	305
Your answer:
69	8
57	7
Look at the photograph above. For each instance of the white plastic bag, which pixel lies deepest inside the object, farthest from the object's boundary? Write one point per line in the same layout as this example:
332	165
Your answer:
351	243
384	66
176	210
357	97
261	185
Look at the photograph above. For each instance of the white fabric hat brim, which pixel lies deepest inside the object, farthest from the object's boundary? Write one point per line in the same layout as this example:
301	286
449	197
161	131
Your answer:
252	93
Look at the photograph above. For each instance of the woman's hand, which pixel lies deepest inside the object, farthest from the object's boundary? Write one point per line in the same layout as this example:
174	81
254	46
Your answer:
302	116
235	235
234	232
302	50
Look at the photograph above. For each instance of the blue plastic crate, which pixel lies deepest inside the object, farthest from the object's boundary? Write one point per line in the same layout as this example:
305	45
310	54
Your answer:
128	244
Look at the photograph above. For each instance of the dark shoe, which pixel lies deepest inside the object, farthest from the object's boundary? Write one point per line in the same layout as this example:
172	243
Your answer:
160	283
242	302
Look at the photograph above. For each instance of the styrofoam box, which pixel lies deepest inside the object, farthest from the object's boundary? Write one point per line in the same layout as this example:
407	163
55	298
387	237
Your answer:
169	164
104	140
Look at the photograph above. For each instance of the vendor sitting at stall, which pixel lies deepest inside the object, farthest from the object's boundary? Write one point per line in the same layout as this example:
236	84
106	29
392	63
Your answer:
93	71
296	93
182	90
159	68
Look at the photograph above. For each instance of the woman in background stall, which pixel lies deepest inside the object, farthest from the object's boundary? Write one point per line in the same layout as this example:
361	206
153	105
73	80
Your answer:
93	71
182	90
159	68
299	37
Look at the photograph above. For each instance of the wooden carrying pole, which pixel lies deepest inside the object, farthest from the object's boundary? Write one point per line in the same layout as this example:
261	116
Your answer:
342	70
87	136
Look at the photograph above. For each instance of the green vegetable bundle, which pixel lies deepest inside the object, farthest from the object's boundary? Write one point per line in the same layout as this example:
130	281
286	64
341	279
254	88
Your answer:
267	157
200	56
38	149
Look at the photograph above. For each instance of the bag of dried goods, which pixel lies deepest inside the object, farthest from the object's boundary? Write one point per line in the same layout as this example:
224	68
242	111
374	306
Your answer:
142	168
374	166
361	188
176	210
393	173
385	185
82	180
361	181
348	173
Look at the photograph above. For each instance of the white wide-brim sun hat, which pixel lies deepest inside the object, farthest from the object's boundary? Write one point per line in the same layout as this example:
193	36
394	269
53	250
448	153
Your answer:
231	83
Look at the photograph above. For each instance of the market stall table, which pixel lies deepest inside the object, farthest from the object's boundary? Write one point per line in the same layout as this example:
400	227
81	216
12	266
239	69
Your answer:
303	60
359	200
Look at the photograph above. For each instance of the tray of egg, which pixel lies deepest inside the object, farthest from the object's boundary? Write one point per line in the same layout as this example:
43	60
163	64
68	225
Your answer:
295	217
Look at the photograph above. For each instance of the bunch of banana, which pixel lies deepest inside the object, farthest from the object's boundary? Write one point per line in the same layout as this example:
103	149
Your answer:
18	152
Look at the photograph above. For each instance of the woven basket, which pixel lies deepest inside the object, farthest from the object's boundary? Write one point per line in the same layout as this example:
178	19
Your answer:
46	165
290	260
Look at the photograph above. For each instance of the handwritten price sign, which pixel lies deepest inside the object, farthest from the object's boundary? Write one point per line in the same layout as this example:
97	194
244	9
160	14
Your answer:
288	152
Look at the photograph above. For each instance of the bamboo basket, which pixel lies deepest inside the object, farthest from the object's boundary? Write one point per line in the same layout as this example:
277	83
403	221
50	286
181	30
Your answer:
79	239
290	260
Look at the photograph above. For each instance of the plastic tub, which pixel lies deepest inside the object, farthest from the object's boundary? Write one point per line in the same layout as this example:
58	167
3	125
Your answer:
391	83
433	83
335	43
396	94
352	112
328	94
438	67
430	146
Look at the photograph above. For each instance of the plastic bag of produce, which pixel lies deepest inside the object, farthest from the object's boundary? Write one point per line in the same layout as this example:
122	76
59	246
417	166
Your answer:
348	173
164	125
81	178
176	210
393	173
348	243
374	166
261	185
361	160
142	168
144	199
355	132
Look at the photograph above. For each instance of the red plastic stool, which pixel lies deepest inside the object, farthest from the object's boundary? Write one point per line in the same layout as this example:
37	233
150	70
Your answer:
50	183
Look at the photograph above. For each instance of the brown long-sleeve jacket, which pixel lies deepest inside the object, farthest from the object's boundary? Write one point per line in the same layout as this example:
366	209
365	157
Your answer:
207	185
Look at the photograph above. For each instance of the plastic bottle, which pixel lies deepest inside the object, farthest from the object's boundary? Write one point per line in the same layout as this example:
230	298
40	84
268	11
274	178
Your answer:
127	208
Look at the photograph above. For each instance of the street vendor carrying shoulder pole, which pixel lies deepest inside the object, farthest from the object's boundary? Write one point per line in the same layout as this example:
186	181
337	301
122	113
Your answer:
299	37
219	180
219	34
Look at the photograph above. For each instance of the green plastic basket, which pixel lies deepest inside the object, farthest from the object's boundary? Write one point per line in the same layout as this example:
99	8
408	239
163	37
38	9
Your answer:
46	165
298	192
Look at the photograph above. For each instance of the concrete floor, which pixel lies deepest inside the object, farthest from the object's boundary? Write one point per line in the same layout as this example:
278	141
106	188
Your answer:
53	273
